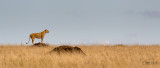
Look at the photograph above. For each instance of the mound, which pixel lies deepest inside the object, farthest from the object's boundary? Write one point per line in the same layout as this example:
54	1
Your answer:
68	49
41	44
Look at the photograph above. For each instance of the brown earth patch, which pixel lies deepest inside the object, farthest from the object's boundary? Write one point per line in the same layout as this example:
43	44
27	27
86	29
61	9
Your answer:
67	49
41	44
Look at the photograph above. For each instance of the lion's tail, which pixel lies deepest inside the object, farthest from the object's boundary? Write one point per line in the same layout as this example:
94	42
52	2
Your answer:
28	41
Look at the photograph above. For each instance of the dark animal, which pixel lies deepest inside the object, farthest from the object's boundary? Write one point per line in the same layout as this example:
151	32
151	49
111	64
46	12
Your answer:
68	49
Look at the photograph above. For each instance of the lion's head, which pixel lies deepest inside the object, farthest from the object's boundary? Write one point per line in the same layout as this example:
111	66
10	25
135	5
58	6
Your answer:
46	31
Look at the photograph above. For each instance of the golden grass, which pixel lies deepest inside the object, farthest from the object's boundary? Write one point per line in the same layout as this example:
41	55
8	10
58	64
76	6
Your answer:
98	56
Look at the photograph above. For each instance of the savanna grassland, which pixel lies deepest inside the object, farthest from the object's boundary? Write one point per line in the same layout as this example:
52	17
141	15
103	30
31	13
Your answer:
97	56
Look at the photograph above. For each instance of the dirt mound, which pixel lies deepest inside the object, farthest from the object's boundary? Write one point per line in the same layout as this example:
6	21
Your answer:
41	44
68	49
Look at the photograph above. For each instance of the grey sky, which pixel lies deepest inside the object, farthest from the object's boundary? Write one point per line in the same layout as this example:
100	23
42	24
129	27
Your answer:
81	21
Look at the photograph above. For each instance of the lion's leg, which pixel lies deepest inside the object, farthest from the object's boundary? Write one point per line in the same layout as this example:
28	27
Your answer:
33	40
41	40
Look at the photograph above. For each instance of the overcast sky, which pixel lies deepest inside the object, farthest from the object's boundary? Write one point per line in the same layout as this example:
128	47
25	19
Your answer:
81	21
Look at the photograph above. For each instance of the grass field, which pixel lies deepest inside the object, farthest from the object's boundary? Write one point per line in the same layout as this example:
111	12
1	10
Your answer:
97	56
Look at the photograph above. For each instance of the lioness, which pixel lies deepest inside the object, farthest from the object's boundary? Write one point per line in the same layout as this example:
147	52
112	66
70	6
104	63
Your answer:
38	36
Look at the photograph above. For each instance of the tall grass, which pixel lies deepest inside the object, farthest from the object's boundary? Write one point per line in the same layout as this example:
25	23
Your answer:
97	56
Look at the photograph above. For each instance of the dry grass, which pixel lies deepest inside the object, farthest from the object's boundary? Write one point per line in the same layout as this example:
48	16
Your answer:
97	57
